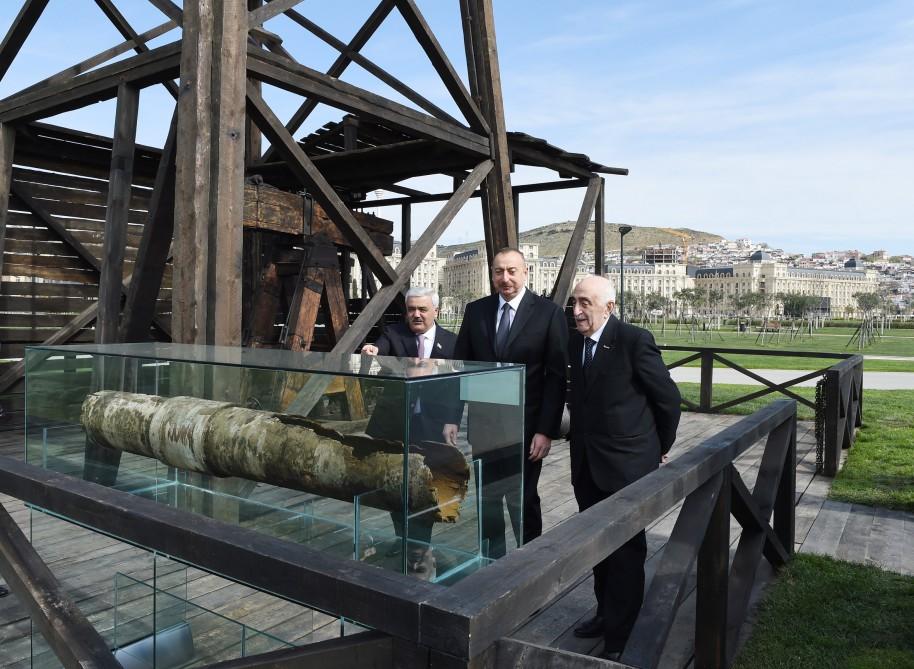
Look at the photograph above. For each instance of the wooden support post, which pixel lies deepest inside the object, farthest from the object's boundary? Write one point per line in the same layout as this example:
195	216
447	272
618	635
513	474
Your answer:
252	135
711	586
498	210
152	254
599	225
209	189
7	144
67	631
118	207
562	288
406	227
707	380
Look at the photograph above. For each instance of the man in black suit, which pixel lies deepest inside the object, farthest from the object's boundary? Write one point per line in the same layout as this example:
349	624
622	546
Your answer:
624	414
422	338
514	325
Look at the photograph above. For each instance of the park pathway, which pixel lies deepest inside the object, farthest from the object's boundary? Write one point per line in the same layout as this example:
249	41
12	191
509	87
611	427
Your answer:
726	375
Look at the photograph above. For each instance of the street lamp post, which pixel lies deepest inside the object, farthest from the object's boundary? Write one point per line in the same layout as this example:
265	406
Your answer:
623	230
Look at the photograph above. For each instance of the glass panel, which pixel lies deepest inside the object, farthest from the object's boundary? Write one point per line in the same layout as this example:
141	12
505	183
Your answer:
267	359
342	454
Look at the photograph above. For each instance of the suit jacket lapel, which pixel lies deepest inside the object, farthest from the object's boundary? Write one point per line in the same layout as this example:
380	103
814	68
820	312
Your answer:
436	345
410	345
603	352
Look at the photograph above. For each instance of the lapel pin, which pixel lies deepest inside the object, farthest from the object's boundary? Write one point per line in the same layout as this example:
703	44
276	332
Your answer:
608	348
437	344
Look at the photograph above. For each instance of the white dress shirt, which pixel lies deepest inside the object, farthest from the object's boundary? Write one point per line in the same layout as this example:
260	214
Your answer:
596	337
429	341
514	302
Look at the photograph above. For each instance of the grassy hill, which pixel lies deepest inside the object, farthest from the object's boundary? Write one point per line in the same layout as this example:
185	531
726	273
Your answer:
553	239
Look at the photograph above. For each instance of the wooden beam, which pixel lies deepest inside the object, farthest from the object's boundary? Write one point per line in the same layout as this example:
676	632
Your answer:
108	54
81	320
169	9
371	67
209	189
314	388
668	586
375	19
66	630
417	198
152	253
370	649
141	70
118	207
526	155
449	77
302	80
412	259
599	231
15	37
134	41
499	223
7	146
257	17
562	287
322	191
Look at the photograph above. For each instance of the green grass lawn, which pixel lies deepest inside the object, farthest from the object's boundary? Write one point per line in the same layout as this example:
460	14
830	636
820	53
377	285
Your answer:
828	614
786	362
724	392
880	466
896	342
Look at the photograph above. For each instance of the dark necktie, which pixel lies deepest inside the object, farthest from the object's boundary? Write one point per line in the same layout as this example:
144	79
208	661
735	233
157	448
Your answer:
501	335
588	353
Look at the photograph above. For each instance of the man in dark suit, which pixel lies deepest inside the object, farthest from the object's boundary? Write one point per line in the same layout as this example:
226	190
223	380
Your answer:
624	414
419	336
514	325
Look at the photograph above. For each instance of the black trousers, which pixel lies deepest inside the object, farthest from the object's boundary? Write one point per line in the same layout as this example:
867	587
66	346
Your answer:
500	470
618	581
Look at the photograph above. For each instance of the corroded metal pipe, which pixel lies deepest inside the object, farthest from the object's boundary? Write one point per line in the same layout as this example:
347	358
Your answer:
225	439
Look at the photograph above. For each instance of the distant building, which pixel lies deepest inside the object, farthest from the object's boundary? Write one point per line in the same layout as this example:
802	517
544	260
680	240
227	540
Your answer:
760	273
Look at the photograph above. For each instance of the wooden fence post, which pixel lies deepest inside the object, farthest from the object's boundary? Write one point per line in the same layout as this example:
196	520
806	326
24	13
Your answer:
712	584
707	380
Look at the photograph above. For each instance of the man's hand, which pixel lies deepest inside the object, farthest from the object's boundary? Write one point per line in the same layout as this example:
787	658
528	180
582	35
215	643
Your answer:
369	349
450	434
539	447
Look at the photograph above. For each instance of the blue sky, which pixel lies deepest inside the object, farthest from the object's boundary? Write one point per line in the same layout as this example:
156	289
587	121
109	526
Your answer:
785	122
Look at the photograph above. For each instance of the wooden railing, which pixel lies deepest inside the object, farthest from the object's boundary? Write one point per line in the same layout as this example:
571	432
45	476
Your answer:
843	410
836	417
470	623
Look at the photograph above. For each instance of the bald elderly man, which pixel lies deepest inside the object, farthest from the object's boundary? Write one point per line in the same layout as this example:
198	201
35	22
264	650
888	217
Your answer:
625	409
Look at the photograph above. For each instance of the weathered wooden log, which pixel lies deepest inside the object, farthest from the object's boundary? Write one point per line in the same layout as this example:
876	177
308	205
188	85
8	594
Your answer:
225	439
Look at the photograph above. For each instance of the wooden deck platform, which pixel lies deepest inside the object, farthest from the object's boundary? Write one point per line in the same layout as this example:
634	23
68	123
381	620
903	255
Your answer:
84	560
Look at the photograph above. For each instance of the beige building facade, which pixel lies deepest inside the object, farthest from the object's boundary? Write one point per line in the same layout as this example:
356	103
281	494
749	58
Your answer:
761	274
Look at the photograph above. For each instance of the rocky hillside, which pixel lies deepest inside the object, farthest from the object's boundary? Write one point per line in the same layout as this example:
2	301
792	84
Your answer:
553	239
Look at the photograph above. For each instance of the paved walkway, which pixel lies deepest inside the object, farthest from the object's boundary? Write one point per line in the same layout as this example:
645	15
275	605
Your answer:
871	380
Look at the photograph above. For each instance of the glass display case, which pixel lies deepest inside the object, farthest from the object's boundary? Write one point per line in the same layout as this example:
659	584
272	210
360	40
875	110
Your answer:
365	458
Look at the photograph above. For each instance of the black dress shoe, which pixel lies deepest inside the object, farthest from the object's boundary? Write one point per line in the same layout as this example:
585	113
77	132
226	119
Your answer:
590	628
